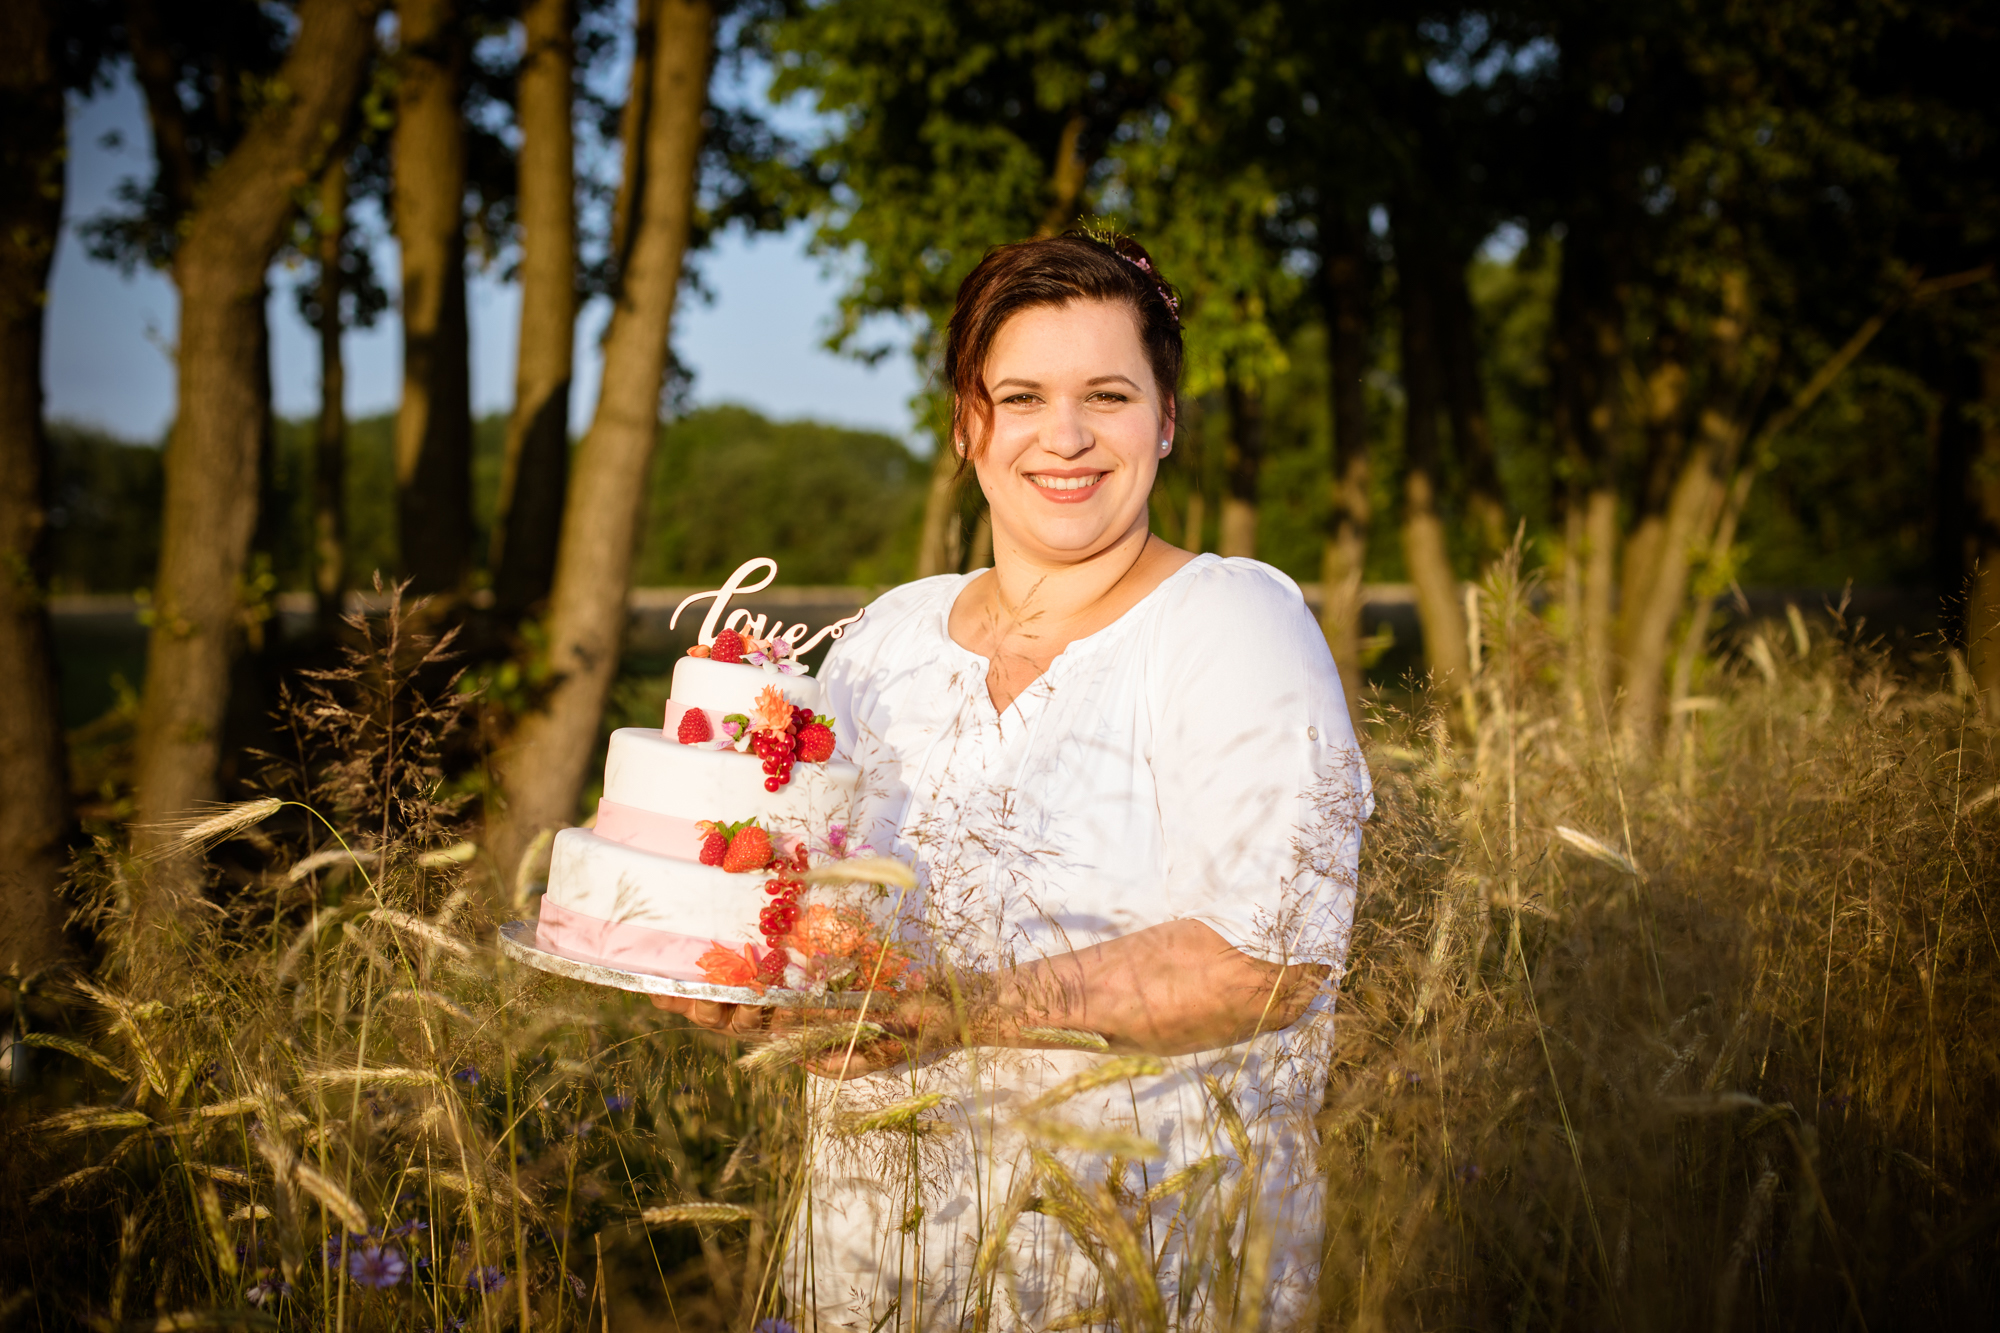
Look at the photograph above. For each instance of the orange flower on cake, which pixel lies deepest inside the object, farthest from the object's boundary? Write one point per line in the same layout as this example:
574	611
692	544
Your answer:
720	967
840	946
774	711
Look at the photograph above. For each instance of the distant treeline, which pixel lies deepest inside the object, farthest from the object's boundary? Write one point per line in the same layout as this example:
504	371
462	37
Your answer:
830	504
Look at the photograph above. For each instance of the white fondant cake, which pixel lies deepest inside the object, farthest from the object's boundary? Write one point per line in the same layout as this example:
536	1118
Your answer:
632	891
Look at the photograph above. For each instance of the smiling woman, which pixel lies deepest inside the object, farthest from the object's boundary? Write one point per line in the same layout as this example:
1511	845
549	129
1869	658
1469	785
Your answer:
1126	777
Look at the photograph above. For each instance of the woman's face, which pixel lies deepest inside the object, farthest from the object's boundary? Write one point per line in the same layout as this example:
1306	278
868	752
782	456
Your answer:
1077	426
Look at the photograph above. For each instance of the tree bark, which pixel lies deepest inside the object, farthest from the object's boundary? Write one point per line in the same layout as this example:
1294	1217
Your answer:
1243	464
535	471
1982	610
1465	405
1658	577
1666	447
541	770
1425	549
209	510
1344	278
937	546
330	439
434	422
1585	343
34	770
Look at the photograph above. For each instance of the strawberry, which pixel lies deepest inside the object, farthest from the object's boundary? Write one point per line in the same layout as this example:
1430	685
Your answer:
728	647
694	727
771	968
714	845
815	743
750	849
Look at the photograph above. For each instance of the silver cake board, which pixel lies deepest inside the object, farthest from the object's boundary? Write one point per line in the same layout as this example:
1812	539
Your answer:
517	941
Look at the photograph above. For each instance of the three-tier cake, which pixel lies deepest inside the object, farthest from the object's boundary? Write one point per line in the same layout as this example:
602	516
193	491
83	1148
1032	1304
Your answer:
691	869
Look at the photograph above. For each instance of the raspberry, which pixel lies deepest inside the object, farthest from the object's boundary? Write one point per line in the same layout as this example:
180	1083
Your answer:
750	849
816	743
694	728
714	847
728	647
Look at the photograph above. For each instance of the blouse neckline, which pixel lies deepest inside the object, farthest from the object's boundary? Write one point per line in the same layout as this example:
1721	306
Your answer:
1088	642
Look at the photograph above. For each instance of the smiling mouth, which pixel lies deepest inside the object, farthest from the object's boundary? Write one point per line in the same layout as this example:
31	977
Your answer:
1065	483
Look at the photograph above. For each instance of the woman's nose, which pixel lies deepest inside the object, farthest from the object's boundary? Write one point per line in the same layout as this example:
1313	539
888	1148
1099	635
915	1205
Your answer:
1067	434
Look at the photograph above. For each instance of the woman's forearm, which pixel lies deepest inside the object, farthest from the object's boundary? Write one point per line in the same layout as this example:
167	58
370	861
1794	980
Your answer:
1170	989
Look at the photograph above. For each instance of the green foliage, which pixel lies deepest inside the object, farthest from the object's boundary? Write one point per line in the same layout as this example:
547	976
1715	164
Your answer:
104	511
830	505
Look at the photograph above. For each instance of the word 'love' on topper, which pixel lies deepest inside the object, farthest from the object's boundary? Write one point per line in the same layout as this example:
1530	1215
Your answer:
755	626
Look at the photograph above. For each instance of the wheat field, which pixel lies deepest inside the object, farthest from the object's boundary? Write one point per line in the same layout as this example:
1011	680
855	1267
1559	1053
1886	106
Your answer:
1668	1032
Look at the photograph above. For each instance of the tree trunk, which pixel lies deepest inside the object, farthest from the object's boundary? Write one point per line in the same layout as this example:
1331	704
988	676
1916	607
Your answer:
1585	343
330	440
542	768
434	422
1243	463
34	770
1657	576
1465	404
1690	513
1439	608
209	510
1982	610
937	547
1343	271
1666	447
528	523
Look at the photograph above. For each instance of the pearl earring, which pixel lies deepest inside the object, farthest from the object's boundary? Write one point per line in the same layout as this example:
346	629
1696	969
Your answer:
1166	447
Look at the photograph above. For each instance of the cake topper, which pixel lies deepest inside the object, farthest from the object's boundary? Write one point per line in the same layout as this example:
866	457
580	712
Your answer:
755	626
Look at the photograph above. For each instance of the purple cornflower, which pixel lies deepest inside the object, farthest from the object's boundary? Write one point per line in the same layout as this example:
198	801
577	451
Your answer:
265	1290
409	1228
485	1279
617	1102
774	1325
468	1075
378	1266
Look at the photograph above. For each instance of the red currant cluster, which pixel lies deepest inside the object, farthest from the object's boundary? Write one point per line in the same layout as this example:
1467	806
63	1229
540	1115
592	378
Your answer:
781	915
779	752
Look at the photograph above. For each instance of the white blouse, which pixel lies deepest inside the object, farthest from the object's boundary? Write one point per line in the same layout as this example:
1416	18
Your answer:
1192	760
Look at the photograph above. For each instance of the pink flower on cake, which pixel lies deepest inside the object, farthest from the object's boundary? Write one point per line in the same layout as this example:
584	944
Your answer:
772	655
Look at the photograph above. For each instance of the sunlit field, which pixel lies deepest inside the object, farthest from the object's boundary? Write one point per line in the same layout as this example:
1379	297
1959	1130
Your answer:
1637	1032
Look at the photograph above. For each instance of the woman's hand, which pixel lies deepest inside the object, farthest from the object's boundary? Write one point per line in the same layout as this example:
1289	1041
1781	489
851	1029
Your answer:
908	1032
735	1020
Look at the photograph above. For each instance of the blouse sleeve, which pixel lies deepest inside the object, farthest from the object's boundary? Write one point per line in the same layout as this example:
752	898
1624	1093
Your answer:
1260	781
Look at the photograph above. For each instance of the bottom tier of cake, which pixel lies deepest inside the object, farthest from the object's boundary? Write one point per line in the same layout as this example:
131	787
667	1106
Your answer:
617	905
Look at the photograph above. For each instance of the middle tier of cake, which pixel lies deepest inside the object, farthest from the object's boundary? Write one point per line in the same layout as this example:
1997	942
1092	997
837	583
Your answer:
648	771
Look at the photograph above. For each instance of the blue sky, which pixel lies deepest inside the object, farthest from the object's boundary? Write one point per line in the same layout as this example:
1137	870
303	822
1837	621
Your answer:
107	360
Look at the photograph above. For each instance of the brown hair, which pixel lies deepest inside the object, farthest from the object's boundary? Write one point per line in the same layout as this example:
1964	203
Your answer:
1056	271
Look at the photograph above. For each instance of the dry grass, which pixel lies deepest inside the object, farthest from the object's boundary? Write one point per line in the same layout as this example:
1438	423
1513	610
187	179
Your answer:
1685	1038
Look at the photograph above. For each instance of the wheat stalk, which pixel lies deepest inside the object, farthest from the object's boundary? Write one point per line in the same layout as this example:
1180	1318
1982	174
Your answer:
896	1115
696	1214
1119	1070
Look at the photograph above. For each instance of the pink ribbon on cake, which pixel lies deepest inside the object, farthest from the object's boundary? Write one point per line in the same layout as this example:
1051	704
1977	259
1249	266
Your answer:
621	944
663	835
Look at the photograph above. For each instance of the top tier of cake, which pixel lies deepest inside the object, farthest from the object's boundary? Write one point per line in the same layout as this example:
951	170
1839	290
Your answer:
722	688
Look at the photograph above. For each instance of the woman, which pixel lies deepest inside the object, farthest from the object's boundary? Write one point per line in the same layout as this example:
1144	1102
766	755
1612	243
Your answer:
1128	779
